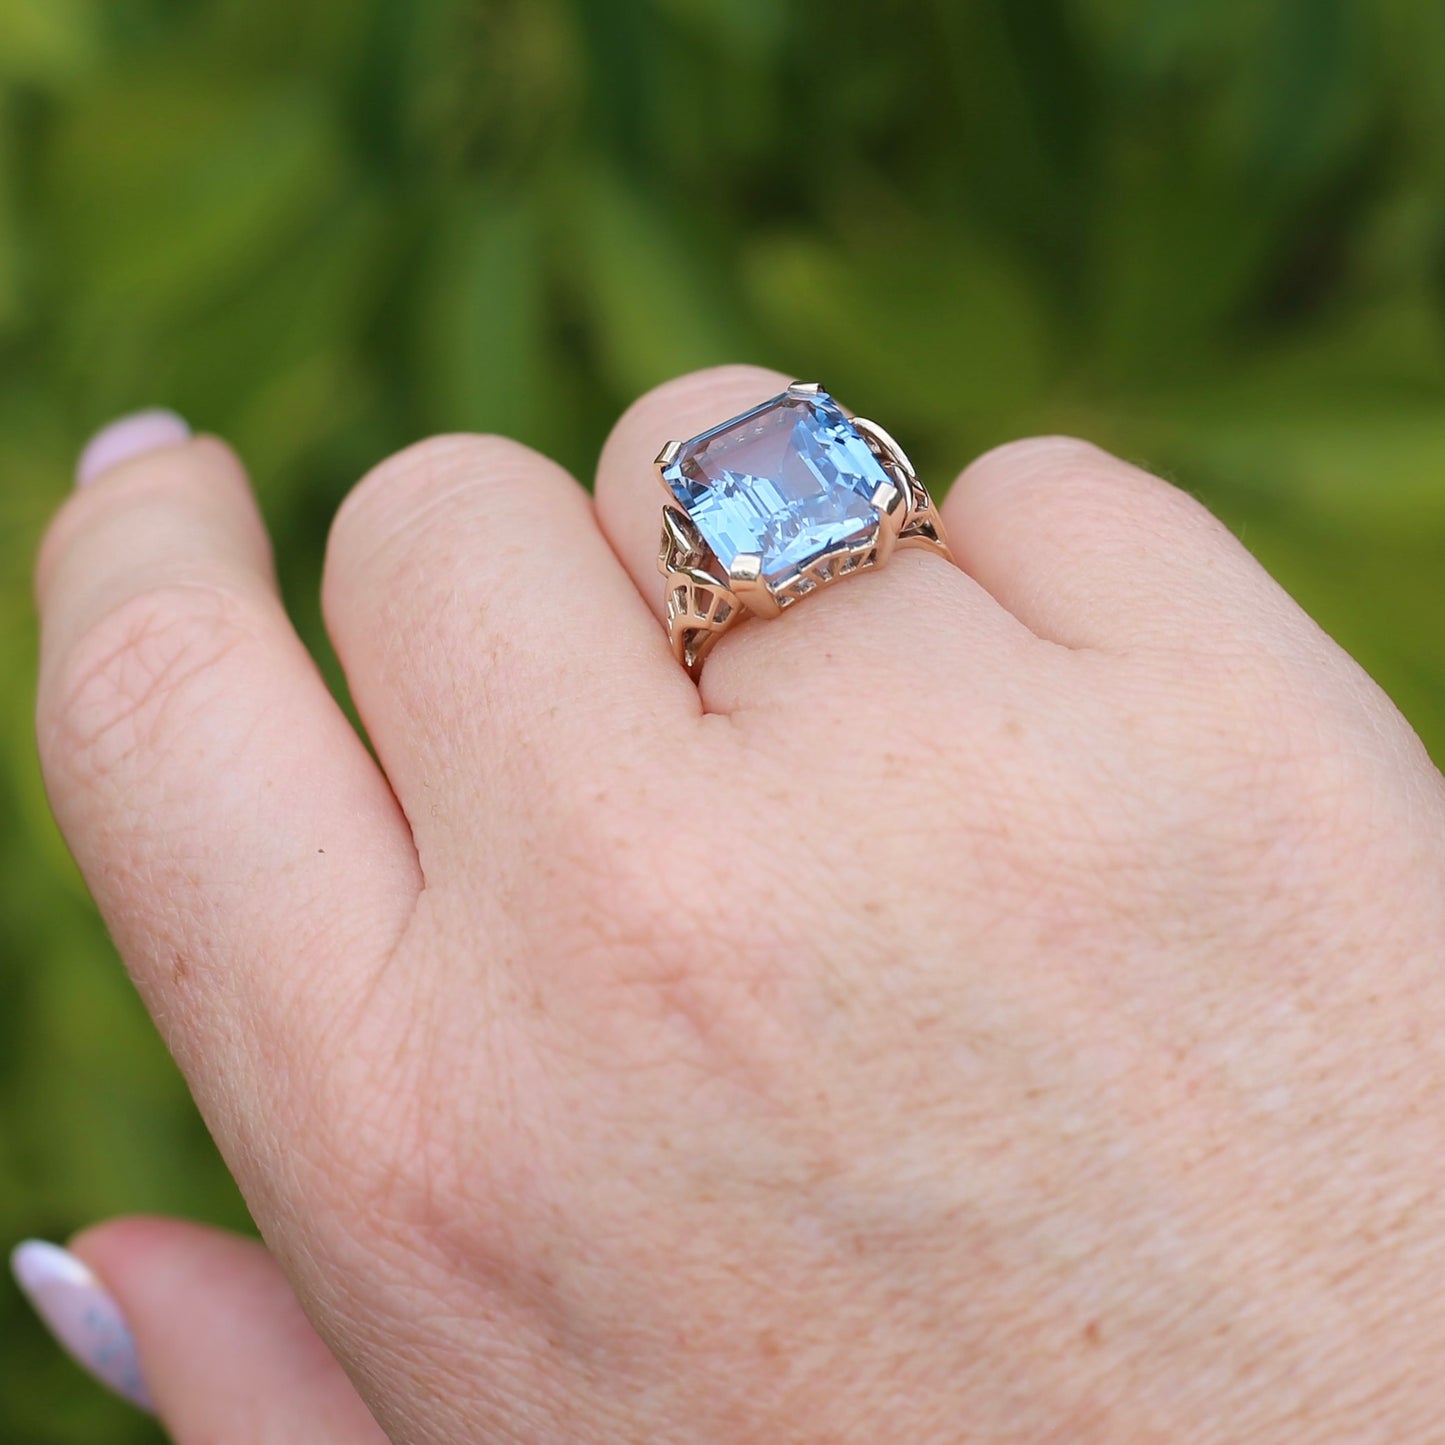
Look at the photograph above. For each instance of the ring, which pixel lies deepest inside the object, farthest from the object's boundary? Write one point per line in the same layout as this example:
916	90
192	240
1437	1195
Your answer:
774	504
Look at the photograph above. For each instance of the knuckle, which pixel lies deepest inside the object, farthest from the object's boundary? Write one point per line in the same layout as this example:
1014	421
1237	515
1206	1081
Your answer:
709	391
1051	473
412	494
710	381
1029	455
138	678
1080	490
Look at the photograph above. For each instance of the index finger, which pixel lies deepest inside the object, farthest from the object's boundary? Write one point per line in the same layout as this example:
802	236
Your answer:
246	853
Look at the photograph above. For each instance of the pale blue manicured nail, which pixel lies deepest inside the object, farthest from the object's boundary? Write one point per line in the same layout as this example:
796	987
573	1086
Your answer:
82	1316
130	437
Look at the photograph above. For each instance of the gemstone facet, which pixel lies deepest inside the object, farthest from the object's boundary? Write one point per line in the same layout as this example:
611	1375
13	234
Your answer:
786	482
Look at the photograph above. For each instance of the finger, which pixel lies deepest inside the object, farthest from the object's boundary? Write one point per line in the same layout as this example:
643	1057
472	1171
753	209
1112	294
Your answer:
883	624
496	652
1089	551
198	1327
243	847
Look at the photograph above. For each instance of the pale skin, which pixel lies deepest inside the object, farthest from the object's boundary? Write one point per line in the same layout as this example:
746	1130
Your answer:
1001	1003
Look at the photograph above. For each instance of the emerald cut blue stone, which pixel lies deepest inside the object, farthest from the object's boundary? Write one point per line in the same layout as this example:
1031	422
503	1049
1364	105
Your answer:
788	481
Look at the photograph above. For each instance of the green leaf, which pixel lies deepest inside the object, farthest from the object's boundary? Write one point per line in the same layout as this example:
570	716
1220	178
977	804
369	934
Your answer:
655	308
941	330
753	26
481	321
12	305
47	41
164	207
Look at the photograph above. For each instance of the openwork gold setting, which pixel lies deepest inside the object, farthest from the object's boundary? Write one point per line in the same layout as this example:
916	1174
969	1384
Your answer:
704	600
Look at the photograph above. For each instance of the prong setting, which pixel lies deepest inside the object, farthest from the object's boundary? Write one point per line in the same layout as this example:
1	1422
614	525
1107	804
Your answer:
746	568
746	579
888	499
776	504
891	513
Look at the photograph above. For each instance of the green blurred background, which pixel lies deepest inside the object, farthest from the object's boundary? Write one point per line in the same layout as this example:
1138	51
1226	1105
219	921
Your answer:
1207	233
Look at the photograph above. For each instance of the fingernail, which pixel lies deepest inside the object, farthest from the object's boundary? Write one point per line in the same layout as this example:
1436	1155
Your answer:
130	437
82	1316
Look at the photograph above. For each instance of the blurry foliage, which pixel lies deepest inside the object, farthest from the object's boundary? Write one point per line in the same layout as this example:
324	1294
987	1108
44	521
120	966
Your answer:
1207	233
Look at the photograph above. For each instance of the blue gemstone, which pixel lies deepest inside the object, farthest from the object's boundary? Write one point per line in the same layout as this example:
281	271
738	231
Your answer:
787	481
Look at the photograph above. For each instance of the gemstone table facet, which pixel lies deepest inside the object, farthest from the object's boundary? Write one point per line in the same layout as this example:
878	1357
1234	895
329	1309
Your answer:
787	481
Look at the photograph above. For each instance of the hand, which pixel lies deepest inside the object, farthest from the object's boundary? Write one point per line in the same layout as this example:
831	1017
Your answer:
997	1004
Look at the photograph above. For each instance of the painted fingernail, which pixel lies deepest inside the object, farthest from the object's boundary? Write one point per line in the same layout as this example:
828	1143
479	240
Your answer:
130	437
82	1316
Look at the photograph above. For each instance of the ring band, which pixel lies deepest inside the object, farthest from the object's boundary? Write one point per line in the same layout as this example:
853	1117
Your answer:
773	505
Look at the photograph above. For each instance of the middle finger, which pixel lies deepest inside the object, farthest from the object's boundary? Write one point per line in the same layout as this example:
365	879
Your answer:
496	653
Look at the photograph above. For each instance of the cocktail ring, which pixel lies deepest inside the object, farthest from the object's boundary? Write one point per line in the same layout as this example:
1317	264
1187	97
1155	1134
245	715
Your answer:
764	509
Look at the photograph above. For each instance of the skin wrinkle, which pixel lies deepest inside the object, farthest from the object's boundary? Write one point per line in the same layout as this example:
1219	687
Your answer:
132	671
419	467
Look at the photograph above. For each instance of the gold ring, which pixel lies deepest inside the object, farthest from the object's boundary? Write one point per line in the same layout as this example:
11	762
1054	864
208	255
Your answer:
775	504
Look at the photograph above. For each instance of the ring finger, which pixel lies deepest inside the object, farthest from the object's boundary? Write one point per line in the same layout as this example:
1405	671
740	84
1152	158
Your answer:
912	618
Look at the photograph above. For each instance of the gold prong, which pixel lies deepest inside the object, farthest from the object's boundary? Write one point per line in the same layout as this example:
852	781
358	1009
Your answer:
892	513
806	388
668	455
745	577
747	567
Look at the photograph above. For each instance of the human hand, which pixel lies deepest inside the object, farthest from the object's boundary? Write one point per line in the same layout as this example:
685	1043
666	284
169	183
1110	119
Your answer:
997	1004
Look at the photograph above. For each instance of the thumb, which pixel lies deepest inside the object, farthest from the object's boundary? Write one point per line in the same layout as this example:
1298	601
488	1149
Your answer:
198	1326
